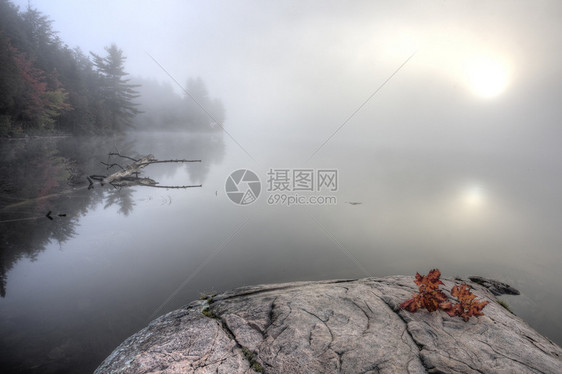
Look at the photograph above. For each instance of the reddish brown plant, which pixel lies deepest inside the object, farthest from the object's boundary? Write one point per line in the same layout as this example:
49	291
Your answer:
467	306
430	297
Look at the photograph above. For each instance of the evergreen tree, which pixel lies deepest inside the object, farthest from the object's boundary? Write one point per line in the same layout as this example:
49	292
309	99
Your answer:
202	112
115	107
41	42
82	83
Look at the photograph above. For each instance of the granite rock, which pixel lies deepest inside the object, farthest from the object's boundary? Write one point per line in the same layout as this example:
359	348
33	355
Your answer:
340	326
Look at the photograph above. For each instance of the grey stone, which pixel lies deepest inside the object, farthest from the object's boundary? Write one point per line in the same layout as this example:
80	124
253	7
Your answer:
342	326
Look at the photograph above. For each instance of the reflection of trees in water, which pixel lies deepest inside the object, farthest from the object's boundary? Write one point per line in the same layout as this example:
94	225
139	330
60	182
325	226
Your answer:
29	169
122	197
208	147
212	152
42	175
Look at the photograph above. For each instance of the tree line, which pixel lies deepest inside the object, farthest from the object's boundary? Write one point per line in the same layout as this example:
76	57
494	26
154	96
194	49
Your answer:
47	86
166	110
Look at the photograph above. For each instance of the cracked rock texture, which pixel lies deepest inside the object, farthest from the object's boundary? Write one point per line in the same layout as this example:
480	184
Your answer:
342	326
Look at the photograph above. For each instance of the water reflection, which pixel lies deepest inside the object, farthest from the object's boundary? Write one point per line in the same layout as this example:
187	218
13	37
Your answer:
49	175
122	197
120	256
208	147
39	325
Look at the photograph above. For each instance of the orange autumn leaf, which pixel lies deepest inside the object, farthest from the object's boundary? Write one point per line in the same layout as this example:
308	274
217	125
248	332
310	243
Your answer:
431	298
467	306
430	281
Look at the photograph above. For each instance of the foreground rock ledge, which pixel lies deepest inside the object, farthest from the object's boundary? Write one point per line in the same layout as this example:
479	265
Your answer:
341	326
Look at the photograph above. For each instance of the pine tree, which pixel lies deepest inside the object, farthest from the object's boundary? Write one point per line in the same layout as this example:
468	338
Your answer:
115	107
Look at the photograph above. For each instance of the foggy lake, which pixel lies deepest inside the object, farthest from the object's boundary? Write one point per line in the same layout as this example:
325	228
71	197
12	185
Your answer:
336	141
77	285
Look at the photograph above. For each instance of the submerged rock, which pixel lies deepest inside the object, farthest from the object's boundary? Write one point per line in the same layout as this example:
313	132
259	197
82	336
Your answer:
341	326
496	287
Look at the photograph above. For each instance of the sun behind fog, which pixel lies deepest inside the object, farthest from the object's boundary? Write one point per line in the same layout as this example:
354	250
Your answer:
486	77
473	197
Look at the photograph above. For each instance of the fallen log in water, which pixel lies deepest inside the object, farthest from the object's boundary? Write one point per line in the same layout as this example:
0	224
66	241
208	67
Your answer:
133	168
129	176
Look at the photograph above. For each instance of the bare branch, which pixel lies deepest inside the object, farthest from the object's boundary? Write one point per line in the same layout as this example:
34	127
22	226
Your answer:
178	187
110	166
129	175
120	155
163	161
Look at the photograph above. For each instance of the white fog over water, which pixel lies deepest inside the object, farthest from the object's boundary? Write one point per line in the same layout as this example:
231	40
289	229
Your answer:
442	120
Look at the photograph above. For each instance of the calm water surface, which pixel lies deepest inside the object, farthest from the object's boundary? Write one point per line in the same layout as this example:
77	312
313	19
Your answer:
75	286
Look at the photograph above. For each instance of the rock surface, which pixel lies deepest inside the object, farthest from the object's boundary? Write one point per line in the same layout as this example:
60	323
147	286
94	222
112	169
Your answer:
342	326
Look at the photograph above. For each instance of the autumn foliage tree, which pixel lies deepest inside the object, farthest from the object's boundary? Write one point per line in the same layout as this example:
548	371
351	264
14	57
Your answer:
45	85
430	297
34	101
31	95
29	104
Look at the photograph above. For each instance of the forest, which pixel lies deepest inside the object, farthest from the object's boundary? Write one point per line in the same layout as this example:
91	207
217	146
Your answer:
48	87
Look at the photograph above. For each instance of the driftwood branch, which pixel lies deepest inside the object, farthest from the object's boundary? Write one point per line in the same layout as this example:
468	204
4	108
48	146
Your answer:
130	169
154	161
164	161
178	187
108	166
129	175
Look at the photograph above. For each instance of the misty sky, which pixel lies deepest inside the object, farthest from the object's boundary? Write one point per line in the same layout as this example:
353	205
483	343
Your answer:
483	74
